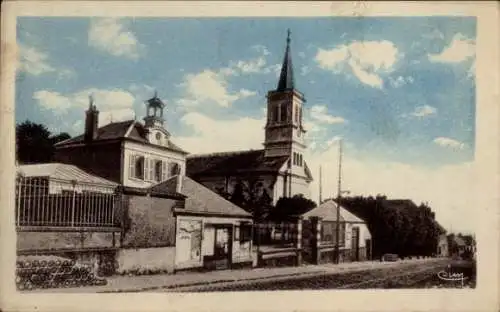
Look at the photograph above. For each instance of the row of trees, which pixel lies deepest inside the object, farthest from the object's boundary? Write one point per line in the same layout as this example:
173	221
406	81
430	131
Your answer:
404	229
35	143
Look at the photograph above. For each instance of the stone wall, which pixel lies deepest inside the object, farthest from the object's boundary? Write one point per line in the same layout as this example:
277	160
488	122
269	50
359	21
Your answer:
148	222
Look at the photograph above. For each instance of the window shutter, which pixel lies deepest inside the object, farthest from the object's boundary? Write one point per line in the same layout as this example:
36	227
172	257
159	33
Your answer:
163	170
146	169
131	167
151	169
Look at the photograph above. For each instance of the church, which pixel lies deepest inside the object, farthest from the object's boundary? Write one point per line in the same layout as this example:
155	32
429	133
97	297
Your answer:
279	169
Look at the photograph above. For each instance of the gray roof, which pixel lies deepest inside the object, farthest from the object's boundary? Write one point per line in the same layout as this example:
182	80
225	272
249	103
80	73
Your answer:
200	199
328	212
61	171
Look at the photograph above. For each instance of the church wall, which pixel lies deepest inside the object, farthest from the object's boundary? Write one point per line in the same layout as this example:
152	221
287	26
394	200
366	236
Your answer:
300	186
148	152
218	184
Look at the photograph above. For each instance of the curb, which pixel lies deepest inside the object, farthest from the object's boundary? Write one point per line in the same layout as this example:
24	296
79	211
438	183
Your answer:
209	282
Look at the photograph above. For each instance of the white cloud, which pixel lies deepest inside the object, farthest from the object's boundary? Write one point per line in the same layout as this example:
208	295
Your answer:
261	49
460	49
366	59
109	35
36	63
320	113
33	61
439	187
115	115
250	66
212	135
52	100
400	81
209	86
450	143
115	104
423	111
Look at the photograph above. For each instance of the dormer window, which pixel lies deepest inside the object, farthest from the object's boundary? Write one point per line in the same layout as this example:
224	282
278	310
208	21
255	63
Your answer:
158	136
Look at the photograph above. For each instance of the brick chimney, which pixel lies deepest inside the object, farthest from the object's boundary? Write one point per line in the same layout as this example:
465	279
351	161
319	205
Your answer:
178	188
91	121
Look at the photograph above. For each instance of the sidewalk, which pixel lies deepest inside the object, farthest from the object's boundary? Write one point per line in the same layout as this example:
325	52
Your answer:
170	281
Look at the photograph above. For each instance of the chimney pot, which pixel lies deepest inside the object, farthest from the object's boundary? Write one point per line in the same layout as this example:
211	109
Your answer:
179	183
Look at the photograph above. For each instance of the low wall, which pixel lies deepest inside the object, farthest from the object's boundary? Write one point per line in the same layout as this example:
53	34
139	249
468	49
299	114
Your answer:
146	260
36	241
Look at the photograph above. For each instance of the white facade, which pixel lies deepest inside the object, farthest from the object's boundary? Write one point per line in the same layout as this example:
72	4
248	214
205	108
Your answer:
158	164
189	256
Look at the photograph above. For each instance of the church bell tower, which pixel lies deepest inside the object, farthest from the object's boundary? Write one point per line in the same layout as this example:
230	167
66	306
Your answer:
284	131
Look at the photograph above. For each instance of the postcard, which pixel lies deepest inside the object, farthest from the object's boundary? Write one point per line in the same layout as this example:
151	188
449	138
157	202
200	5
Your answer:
249	156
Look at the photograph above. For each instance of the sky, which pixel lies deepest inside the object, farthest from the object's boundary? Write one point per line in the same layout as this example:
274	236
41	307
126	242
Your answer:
398	92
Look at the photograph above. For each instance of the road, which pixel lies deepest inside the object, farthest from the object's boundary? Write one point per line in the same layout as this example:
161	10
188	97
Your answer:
402	275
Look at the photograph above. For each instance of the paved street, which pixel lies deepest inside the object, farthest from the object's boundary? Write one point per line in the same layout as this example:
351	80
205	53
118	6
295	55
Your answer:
188	281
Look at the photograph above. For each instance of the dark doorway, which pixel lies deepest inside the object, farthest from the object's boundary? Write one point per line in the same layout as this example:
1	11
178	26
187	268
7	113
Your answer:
355	243
368	244
223	248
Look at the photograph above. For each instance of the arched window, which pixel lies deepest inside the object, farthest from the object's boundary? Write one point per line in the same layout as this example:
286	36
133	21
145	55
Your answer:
276	113
296	114
283	113
139	167
174	169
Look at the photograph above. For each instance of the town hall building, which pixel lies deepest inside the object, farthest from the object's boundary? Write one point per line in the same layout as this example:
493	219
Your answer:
130	153
279	169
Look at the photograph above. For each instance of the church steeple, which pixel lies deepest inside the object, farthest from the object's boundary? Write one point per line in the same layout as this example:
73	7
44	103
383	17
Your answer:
284	133
286	81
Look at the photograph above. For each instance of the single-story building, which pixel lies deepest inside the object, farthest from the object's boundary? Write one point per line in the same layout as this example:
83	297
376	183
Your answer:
320	232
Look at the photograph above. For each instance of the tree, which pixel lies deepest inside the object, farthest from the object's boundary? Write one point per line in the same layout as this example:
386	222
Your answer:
291	206
250	194
407	231
35	143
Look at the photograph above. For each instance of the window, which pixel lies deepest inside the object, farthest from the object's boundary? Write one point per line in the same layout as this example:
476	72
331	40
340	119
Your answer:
245	232
294	158
158	168
174	169
276	113
136	168
149	170
300	116
300	160
283	112
296	114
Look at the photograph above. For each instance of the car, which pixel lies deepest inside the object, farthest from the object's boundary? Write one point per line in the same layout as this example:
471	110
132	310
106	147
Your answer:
390	257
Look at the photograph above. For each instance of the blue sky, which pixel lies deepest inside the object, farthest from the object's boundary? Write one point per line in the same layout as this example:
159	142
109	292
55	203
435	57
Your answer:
399	91
423	112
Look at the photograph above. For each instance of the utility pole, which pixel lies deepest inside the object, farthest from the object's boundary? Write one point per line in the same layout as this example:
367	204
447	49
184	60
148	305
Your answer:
339	190
320	187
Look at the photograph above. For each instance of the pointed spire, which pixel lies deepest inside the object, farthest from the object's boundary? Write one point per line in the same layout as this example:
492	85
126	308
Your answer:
286	81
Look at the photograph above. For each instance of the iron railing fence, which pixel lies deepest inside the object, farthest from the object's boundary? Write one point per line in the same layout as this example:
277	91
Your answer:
275	233
50	202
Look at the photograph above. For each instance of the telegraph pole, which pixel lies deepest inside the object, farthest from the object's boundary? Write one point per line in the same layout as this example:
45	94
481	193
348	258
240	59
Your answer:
320	187
339	190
